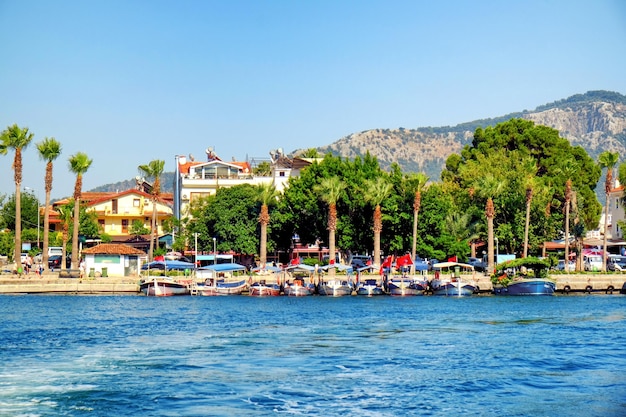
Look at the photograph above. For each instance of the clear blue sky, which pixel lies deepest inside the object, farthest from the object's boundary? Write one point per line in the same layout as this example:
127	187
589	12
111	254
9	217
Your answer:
131	81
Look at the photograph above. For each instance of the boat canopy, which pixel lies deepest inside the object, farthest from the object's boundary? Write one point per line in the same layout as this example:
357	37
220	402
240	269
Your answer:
170	265
340	267
224	267
300	267
260	270
442	265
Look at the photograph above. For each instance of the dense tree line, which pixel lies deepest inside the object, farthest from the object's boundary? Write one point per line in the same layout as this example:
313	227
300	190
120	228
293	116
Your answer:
528	166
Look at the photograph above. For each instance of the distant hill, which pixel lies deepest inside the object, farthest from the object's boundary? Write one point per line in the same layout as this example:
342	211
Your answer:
595	120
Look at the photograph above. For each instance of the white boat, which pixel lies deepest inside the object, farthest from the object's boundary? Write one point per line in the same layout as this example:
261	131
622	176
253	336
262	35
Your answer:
222	279
406	285
265	282
299	281
449	281
165	286
336	285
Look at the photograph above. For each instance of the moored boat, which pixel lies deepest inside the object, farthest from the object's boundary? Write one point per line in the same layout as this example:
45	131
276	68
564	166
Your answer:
449	281
222	279
299	281
265	282
524	276
164	286
406	285
336	285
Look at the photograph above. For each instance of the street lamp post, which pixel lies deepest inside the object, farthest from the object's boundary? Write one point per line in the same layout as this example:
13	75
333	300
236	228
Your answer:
214	253
38	219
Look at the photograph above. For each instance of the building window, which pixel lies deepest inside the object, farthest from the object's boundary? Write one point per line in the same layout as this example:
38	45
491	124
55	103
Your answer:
136	202
281	174
114	206
124	225
101	224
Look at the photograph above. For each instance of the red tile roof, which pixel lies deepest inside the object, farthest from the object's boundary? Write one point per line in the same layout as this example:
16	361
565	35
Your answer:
113	249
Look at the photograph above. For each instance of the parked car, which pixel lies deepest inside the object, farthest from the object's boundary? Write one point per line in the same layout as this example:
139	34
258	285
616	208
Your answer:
560	266
421	264
616	263
360	261
477	263
54	262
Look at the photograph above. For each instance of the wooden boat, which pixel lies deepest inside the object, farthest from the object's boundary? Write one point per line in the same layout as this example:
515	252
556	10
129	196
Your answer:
449	281
222	279
299	281
165	286
265	282
524	276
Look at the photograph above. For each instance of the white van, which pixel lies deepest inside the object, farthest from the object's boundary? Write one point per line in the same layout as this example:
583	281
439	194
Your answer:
592	262
55	250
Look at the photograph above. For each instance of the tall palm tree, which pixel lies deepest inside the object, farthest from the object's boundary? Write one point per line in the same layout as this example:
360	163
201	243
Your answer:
267	195
153	170
79	164
17	139
489	187
529	169
607	160
49	150
329	190
419	181
375	193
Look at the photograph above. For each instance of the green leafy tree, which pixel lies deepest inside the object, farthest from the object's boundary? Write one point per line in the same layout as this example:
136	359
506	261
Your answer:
154	170
264	169
607	160
49	149
79	164
18	139
498	151
137	228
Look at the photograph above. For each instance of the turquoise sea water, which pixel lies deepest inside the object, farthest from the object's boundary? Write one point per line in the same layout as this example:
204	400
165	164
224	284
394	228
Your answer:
382	356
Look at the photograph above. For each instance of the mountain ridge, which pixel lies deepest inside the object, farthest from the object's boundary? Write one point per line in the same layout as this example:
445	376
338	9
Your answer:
595	120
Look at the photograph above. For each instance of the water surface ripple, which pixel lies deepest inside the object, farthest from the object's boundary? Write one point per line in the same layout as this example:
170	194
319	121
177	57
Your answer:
382	356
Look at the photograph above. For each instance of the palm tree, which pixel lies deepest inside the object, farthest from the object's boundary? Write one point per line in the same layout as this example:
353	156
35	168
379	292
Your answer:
79	164
49	150
529	169
329	190
16	138
419	181
375	193
607	160
489	187
267	195
154	170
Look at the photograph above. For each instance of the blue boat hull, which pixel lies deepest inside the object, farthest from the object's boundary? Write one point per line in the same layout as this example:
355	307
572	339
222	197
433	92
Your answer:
527	287
452	289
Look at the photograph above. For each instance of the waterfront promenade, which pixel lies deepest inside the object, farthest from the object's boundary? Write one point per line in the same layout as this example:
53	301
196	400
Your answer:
53	283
